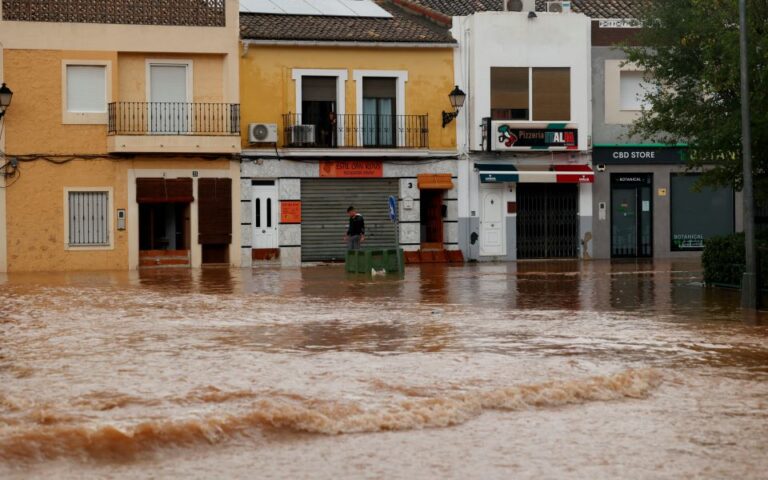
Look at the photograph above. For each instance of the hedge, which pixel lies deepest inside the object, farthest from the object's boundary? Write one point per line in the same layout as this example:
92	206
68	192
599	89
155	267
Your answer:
723	259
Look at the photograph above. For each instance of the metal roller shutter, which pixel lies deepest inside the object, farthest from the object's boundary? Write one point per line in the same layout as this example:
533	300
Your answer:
324	217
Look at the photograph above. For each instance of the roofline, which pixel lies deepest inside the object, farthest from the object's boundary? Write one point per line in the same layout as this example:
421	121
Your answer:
344	43
431	14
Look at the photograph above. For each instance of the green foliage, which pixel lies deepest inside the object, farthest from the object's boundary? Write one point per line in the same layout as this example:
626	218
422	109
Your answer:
690	51
724	262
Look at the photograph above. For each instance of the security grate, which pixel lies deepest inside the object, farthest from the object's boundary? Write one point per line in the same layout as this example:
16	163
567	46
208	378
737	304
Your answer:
88	219
547	221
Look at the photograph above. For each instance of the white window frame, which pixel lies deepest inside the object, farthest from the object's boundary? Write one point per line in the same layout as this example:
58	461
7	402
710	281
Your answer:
86	118
173	62
341	86
614	115
401	76
110	218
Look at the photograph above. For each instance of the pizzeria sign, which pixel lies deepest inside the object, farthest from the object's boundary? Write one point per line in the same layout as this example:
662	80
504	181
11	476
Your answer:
506	136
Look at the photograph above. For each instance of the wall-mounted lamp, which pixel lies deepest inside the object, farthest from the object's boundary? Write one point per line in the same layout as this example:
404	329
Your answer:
532	15
5	99
457	98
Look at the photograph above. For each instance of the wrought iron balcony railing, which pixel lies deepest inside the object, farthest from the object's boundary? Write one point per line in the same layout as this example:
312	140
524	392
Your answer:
193	13
355	131
174	118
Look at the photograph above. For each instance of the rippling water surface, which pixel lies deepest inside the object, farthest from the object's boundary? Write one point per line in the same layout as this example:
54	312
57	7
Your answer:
534	370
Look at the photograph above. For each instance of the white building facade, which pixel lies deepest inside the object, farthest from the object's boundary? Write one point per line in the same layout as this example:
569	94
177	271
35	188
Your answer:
524	135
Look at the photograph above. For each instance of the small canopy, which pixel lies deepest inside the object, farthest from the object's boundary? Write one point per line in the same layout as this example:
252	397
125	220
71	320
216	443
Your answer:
497	172
435	181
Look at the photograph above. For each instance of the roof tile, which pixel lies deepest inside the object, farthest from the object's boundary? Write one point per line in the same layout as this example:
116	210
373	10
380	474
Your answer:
403	26
591	8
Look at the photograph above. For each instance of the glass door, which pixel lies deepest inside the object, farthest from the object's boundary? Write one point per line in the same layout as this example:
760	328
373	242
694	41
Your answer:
631	215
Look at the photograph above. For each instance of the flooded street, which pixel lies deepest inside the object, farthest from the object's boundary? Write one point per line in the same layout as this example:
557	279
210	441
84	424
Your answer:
528	370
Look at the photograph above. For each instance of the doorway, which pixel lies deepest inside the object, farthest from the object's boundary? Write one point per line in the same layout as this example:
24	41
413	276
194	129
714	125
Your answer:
631	215
164	226
432	212
318	108
169	96
265	214
492	221
547	220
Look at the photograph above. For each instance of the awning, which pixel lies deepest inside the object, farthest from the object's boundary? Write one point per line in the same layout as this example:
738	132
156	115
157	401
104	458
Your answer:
574	174
162	190
435	181
497	173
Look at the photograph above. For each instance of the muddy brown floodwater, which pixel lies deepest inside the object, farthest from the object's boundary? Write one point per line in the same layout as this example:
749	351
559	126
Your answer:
536	370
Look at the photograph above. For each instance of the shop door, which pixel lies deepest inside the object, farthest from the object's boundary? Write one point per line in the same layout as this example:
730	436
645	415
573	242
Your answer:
492	221
265	216
431	219
324	219
631	215
215	219
547	220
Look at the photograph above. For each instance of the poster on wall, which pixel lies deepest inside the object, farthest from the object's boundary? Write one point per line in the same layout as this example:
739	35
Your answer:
506	136
290	211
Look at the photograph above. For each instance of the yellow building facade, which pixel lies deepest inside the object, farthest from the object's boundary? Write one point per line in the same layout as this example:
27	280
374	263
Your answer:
341	112
120	148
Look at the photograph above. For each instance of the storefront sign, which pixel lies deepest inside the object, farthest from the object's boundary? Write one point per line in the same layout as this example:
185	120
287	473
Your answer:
511	136
637	155
290	212
687	241
631	179
352	169
619	23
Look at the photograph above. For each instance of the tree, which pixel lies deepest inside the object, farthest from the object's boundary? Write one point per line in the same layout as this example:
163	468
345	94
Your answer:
689	50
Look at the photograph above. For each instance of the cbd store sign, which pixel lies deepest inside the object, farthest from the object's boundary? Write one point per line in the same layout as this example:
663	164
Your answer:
505	136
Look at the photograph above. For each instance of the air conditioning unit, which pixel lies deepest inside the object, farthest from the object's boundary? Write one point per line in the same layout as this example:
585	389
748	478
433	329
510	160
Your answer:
262	133
519	5
560	6
302	134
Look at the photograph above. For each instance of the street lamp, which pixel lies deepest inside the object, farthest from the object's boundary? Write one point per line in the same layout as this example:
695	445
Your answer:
749	280
5	99
457	98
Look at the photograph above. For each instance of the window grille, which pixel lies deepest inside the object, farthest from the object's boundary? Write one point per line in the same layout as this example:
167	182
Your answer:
88	219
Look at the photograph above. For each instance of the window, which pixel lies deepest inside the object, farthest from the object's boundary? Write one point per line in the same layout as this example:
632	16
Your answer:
379	97
86	88
509	94
697	216
538	94
88	219
551	94
85	91
318	108
633	90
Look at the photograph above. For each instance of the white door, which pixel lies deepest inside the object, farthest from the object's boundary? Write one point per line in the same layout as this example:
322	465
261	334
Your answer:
169	111
492	221
266	215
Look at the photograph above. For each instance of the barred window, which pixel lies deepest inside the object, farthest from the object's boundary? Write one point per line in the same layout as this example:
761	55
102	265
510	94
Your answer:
88	219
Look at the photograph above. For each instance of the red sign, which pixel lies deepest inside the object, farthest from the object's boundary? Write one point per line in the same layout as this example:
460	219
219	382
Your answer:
290	212
352	169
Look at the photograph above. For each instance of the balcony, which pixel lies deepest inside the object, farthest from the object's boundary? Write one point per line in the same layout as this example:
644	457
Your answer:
192	13
174	127
356	131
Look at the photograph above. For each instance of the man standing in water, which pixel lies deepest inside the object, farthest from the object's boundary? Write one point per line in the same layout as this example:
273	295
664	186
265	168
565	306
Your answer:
356	231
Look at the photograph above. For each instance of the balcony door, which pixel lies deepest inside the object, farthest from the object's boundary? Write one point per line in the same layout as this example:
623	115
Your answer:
169	111
318	111
379	98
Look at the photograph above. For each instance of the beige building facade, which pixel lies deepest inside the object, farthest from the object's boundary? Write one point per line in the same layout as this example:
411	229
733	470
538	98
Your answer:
120	148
